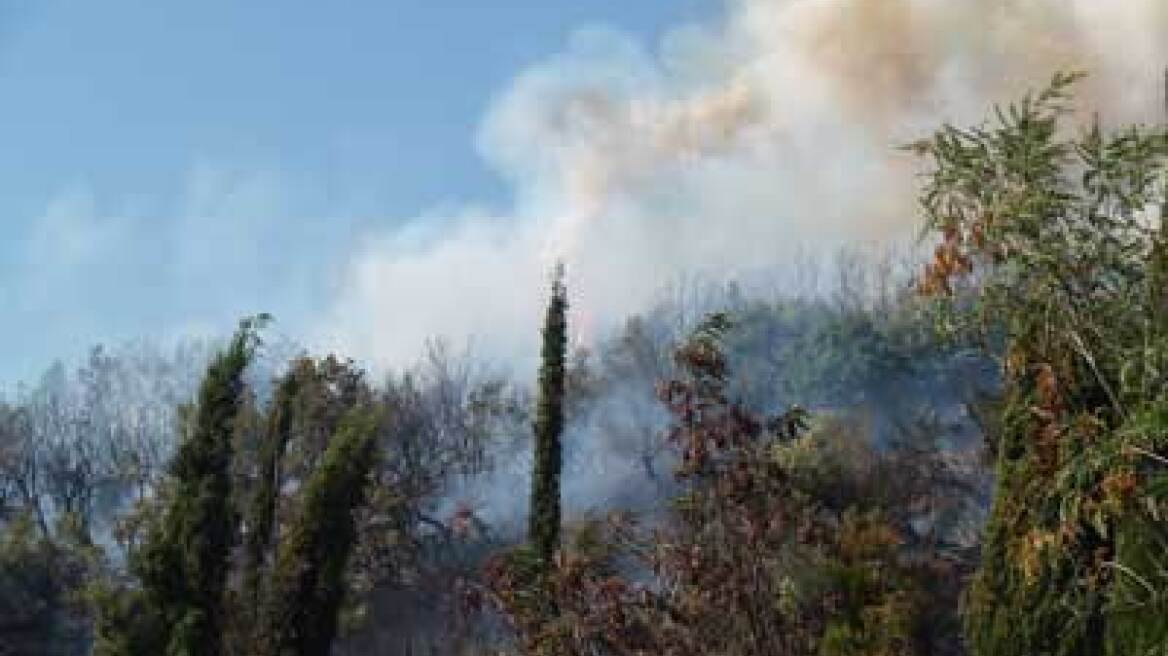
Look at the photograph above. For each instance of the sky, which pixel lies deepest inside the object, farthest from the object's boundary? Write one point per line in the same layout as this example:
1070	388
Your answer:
168	166
376	174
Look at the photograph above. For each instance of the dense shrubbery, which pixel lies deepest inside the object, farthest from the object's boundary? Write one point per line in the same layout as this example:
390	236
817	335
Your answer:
791	535
1051	245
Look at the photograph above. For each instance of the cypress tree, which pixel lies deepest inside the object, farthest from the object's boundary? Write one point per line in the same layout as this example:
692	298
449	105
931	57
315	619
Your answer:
308	581
201	522
183	561
544	518
262	514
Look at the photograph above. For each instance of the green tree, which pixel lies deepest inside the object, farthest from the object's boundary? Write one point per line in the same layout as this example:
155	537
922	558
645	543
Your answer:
184	558
1048	254
308	582
318	436
544	518
261	521
41	577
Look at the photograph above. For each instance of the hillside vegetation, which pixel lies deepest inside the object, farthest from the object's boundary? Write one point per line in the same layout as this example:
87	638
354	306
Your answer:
968	456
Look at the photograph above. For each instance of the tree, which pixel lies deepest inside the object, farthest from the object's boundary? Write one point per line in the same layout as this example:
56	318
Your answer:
183	561
261	519
544	519
300	468
1047	257
793	536
41	613
308	581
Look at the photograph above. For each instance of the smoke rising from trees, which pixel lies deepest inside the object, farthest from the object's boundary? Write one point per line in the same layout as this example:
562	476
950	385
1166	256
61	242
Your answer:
722	149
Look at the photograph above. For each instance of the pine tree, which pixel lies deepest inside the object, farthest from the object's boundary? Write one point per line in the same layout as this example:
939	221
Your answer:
544	518
308	582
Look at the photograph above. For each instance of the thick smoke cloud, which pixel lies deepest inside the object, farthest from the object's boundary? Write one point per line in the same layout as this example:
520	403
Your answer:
723	150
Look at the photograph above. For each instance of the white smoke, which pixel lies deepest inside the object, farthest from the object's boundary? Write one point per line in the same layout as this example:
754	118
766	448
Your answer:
724	149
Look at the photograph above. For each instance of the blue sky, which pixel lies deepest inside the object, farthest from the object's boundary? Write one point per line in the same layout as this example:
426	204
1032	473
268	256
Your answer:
166	166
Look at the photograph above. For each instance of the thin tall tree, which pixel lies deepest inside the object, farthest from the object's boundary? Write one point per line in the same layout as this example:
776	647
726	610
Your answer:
308	582
262	516
544	518
184	559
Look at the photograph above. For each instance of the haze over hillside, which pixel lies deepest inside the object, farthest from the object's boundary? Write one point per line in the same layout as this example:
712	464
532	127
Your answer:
764	327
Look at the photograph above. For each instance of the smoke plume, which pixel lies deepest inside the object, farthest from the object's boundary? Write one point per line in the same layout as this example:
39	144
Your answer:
723	149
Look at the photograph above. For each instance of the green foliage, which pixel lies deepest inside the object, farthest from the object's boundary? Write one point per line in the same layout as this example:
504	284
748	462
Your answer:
1046	240
790	534
183	561
261	520
308	582
305	478
42	585
544	519
1137	607
319	433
